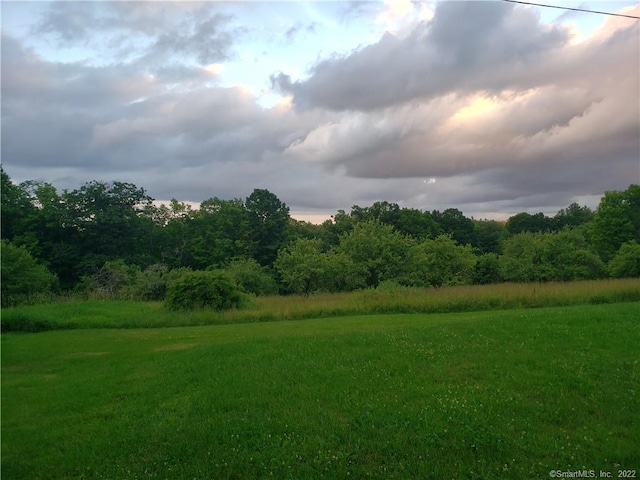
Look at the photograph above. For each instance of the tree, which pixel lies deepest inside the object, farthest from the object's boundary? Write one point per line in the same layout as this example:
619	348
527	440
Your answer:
572	216
487	269
489	236
417	224
219	231
542	257
23	278
617	221
626	261
453	222
380	250
252	277
525	222
109	223
332	230
303	266
15	207
440	262
268	219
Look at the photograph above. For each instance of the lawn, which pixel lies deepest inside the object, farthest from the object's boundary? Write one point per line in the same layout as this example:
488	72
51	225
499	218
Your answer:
493	394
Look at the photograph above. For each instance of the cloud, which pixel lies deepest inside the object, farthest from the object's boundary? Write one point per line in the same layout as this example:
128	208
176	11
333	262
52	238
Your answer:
467	46
506	113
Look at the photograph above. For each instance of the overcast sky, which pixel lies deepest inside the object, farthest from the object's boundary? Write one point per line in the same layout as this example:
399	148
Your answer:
490	107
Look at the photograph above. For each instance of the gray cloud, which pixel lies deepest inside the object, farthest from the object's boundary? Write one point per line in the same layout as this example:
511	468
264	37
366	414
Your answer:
458	50
507	114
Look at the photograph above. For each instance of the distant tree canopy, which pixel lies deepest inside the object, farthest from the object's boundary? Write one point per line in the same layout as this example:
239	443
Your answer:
101	230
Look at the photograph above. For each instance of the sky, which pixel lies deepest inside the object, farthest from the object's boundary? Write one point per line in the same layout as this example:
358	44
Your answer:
490	107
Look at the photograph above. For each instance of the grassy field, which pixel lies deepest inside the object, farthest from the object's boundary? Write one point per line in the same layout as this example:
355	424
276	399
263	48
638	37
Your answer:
485	395
73	314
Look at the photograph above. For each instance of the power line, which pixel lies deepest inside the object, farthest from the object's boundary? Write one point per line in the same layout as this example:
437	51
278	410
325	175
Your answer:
574	9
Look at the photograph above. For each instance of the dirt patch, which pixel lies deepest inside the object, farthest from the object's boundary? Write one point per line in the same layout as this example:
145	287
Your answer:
175	346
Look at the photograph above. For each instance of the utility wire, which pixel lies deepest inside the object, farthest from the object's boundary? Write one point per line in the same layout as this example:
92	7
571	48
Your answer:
574	9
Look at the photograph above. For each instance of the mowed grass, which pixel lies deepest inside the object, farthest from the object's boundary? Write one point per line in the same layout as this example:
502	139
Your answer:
73	314
486	395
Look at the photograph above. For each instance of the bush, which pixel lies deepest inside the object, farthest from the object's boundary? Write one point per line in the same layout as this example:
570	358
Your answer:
252	277
210	289
626	262
24	280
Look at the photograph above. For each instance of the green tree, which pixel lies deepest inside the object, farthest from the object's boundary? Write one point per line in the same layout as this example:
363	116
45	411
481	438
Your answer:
489	236
219	231
108	219
303	266
15	207
626	262
453	222
251	277
572	216
332	230
417	224
268	220
617	221
441	262
381	250
541	257
525	222
487	269
23	280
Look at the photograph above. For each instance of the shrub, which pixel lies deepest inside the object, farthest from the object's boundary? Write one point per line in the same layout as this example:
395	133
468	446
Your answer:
210	289
626	262
24	280
252	277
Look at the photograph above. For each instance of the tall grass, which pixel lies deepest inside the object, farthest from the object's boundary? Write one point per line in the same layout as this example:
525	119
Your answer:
388	298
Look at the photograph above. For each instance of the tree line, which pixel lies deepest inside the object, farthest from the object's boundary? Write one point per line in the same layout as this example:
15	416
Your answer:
112	238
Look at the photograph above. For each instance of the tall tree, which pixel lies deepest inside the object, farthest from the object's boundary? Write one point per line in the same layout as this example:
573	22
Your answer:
107	217
219	232
15	206
617	220
572	216
382	251
453	222
525	222
268	219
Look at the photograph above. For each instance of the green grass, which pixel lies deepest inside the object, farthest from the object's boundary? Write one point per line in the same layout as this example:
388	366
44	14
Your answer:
485	395
131	314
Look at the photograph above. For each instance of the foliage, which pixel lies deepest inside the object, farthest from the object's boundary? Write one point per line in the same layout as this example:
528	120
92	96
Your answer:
489	236
252	277
487	269
442	262
572	216
23	278
626	262
219	231
268	223
382	252
525	222
16	206
453	223
303	267
203	289
74	234
542	257
617	220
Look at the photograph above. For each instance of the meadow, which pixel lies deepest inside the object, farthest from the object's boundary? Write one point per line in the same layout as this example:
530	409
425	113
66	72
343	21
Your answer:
72	313
490	394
